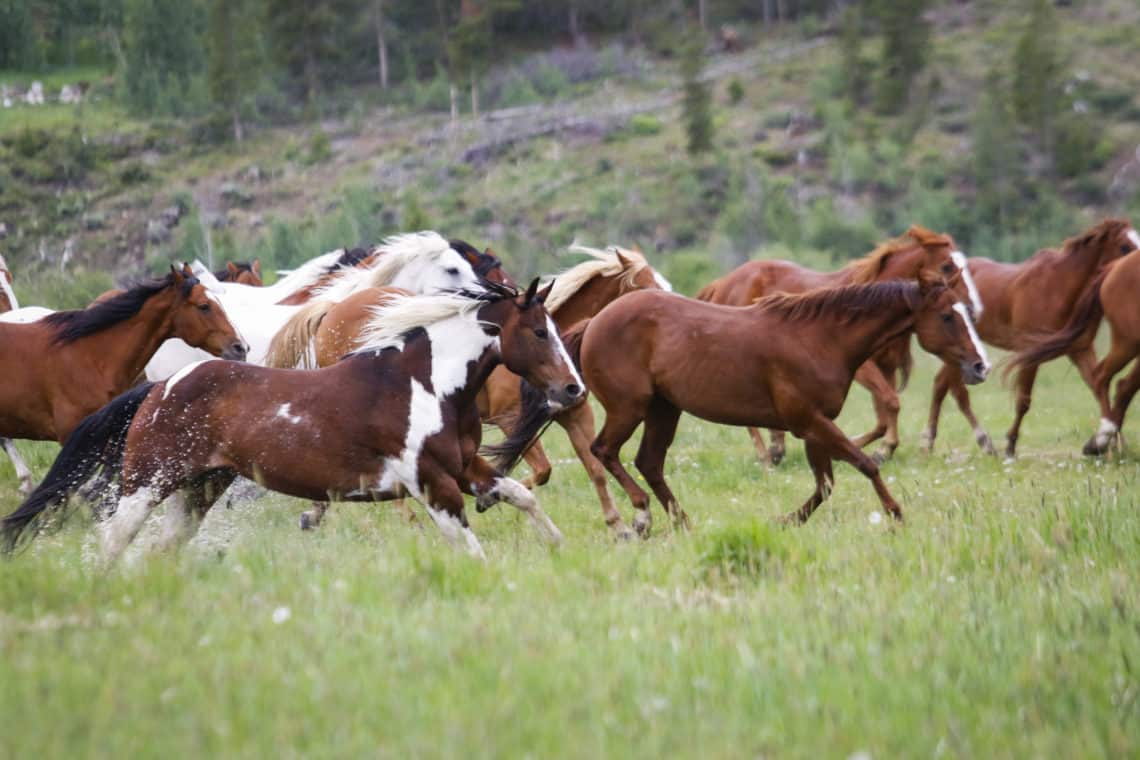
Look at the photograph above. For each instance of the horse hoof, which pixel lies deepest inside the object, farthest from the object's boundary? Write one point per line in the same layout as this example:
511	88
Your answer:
777	457
623	533
642	527
307	521
1091	449
879	457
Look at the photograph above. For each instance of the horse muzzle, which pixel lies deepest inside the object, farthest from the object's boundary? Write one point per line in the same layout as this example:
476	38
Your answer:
236	351
974	372
564	397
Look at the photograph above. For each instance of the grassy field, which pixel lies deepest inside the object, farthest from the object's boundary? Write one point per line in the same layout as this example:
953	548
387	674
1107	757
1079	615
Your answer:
1003	620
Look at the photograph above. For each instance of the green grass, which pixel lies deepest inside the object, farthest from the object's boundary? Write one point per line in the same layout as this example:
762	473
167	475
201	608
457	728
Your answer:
1003	620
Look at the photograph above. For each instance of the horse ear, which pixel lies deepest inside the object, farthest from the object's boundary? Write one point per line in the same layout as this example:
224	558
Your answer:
186	270
928	281
621	259
177	274
255	267
232	268
528	298
545	292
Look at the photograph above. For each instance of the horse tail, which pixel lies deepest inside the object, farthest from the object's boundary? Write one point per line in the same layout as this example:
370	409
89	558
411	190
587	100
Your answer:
906	364
1086	315
290	347
531	422
98	442
572	340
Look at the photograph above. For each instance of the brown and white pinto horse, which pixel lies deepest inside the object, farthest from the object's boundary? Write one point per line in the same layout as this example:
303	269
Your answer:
1025	300
1112	296
779	363
918	252
398	416
66	365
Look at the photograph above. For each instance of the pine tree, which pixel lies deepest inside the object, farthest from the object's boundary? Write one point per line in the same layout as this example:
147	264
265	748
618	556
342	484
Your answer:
697	103
1037	71
234	56
163	53
906	40
997	166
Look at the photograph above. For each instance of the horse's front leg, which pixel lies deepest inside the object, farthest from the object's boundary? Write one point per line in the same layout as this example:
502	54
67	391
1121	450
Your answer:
441	496
22	471
488	486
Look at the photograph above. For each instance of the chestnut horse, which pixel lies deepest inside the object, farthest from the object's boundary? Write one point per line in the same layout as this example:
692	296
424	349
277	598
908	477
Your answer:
1112	295
66	365
779	363
1023	301
398	416
241	272
919	251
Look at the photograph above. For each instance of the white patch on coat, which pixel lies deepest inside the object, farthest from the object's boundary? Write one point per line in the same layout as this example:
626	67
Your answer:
959	258
662	282
11	294
283	413
964	313
180	375
425	419
1105	432
1134	237
25	315
22	471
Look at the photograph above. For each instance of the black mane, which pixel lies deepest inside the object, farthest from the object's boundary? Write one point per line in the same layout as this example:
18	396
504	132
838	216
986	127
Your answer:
350	258
72	325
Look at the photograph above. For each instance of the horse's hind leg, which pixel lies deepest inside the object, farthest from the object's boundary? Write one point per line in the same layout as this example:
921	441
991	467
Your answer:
660	429
820	460
130	514
1025	379
22	472
444	503
778	447
1125	389
312	518
618	427
762	452
886	401
539	465
1117	358
578	422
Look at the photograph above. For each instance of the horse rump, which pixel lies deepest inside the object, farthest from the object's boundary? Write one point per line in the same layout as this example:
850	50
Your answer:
98	443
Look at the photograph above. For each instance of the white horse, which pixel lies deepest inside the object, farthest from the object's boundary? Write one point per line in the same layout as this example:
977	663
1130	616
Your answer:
422	262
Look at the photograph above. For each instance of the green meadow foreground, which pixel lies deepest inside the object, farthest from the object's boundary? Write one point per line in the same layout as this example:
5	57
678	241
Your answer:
1003	620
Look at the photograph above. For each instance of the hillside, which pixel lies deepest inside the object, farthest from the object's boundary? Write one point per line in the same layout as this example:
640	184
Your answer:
599	155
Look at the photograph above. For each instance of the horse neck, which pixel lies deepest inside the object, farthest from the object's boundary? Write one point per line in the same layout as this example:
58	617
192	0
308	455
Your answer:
588	300
902	265
859	337
124	349
463	356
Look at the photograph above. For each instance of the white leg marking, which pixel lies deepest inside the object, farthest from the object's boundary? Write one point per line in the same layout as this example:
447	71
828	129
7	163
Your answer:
179	525
1105	432
514	492
959	258
978	347
125	523
1134	237
455	532
22	471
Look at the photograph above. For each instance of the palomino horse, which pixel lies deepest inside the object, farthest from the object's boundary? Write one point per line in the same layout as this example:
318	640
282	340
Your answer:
241	272
1111	295
9	303
66	365
398	416
650	356
422	262
1023	301
919	251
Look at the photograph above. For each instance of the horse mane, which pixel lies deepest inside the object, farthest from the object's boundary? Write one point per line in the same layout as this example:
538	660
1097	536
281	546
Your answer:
349	258
223	274
1094	236
308	273
395	253
603	263
70	326
846	302
390	323
867	268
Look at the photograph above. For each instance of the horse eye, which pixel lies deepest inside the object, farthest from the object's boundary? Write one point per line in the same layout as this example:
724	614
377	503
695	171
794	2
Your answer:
203	307
541	333
453	271
1125	248
948	268
947	317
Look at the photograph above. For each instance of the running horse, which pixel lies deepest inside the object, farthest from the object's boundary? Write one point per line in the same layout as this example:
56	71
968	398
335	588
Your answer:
650	356
1111	296
397	416
918	252
68	364
1025	300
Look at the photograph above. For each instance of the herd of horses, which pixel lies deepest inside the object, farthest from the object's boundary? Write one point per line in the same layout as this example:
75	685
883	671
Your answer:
368	374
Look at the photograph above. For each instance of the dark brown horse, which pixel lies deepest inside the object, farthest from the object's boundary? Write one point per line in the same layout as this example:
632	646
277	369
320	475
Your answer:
1023	301
918	252
66	365
1112	296
398	416
786	362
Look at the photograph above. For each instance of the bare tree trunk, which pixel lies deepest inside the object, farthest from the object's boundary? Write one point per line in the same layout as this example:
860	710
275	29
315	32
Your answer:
381	44
702	13
238	131
474	97
453	92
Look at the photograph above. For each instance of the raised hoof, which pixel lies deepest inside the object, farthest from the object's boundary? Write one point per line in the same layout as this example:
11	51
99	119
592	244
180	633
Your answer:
485	501
777	456
988	447
790	520
881	456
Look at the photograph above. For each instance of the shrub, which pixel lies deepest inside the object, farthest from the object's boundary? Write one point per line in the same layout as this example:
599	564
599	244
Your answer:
644	125
319	148
746	551
735	91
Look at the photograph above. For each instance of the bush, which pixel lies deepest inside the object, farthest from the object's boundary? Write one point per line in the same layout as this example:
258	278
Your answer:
747	551
319	148
689	272
735	91
644	125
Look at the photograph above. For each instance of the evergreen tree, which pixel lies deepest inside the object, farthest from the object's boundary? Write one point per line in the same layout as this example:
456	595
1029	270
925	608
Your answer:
1037	71
906	41
697	103
303	34
996	160
163	54
234	56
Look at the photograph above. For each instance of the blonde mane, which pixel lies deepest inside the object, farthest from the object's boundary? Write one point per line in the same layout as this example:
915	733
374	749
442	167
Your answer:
603	263
306	274
391	321
866	269
395	253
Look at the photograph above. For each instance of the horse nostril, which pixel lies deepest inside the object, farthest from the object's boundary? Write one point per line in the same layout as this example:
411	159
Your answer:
980	368
573	390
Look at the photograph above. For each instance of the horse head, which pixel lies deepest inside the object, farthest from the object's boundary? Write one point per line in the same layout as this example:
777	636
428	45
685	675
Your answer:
945	327
942	258
198	317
